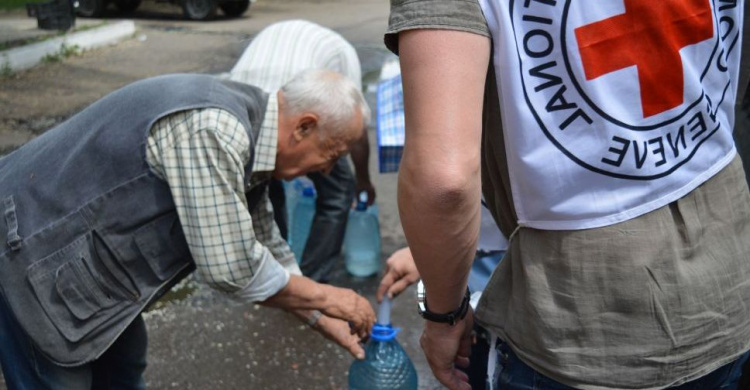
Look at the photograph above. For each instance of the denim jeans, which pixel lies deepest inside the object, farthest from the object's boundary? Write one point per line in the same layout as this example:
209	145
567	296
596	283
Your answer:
513	374
26	368
335	195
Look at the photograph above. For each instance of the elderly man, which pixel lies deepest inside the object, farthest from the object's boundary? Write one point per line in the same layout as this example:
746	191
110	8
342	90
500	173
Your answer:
279	52
107	211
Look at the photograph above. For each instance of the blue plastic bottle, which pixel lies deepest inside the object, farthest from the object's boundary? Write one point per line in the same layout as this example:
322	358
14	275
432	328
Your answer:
362	240
386	364
304	211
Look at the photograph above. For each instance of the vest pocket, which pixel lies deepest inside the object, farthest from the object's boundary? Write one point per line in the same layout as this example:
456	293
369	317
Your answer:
162	243
77	288
69	289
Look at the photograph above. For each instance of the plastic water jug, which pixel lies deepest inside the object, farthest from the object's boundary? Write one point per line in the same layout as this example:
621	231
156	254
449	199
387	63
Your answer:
362	240
302	217
386	364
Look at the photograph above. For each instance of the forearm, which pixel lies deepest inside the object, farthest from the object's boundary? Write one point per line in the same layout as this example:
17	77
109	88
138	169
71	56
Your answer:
439	182
300	293
441	224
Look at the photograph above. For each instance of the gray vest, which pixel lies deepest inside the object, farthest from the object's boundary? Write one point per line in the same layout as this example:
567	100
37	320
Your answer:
92	236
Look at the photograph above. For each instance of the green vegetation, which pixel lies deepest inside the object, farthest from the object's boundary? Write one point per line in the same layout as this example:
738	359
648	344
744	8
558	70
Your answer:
5	69
16	4
64	52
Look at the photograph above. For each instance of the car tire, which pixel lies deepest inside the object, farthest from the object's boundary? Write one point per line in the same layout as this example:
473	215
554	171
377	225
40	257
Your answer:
127	6
90	8
234	8
199	9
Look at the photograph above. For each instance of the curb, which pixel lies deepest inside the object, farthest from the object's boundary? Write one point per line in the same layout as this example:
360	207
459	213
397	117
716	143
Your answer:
28	56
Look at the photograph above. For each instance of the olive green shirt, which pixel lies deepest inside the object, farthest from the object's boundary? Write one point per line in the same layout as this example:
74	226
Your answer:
648	303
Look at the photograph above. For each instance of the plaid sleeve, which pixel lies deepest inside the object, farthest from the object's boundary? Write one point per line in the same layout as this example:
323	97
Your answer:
201	154
267	232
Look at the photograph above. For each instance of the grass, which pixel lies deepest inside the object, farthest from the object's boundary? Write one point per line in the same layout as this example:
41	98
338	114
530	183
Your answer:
16	4
5	69
64	52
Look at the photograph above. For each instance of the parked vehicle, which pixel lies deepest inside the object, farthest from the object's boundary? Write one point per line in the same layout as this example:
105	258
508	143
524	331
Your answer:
192	9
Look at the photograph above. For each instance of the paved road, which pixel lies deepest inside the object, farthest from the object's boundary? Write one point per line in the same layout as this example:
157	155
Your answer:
203	341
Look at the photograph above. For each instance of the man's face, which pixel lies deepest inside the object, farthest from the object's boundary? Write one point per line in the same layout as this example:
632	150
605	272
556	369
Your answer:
305	152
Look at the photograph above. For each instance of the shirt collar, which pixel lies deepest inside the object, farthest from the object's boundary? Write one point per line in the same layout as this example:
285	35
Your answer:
268	138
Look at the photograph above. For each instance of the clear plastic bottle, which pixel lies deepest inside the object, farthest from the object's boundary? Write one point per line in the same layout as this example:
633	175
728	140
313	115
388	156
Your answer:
361	249
303	214
386	364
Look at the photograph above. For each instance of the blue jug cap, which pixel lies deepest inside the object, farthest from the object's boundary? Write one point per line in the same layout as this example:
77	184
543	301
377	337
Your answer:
384	332
362	201
308	192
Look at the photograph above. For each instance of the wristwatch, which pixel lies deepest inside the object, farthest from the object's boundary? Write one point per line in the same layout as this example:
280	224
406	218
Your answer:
447	318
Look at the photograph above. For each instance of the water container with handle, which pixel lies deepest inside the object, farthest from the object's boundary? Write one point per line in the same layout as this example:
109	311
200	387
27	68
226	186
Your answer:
386	364
361	249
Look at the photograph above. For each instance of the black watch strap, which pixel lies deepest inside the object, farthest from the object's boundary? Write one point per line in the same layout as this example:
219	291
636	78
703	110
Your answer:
447	318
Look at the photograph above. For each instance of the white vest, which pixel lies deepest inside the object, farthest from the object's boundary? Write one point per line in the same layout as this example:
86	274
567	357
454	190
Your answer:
613	108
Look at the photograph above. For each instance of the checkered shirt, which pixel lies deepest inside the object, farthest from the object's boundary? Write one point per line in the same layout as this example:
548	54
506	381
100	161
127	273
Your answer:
391	126
201	154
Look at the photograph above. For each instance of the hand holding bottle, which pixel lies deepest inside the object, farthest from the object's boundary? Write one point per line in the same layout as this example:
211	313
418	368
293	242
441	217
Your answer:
347	305
400	273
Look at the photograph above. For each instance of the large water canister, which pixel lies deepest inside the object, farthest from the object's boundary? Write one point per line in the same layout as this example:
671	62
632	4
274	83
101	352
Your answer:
361	249
386	364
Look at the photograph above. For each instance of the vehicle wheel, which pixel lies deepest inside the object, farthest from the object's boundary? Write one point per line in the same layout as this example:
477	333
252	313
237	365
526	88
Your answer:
234	8
127	6
199	9
90	8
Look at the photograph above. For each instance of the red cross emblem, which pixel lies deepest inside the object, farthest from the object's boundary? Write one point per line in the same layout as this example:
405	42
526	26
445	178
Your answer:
648	35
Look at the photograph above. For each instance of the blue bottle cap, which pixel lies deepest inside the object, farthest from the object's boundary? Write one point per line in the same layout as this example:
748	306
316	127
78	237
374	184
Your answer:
384	332
362	201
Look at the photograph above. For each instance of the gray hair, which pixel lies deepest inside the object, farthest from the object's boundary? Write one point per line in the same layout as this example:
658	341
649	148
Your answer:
332	96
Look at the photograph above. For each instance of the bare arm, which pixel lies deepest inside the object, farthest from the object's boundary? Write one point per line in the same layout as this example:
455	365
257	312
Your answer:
439	183
443	74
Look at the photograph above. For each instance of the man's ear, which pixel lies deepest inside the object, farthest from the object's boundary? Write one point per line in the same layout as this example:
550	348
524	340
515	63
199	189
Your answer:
307	123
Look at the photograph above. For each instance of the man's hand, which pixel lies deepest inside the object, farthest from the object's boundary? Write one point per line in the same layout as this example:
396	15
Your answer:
301	293
347	305
338	331
400	273
445	347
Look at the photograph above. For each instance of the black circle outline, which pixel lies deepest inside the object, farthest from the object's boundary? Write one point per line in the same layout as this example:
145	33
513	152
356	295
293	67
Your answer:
565	151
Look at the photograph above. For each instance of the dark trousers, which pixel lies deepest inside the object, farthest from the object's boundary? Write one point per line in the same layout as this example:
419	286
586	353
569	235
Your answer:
335	193
24	367
480	350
